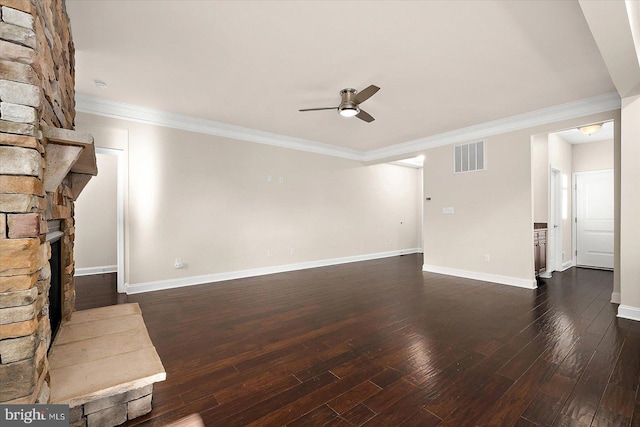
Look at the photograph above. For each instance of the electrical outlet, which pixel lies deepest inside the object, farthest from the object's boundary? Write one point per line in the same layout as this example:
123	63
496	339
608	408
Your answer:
281	179
487	258
178	263
448	210
269	252
291	251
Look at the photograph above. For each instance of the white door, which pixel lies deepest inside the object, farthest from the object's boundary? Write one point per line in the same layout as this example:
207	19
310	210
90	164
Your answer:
594	219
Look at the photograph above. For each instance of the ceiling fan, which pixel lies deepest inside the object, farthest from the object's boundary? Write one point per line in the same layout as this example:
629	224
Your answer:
350	105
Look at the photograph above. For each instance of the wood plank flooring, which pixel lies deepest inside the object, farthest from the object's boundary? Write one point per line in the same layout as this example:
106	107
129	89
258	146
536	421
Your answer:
380	343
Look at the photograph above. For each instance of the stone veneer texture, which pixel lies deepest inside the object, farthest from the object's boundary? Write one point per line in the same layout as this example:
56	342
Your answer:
36	89
113	410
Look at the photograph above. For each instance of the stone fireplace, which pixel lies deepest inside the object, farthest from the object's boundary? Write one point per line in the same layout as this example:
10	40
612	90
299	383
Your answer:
44	166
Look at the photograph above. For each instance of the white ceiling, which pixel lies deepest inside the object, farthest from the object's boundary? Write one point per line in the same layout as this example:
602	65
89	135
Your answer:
441	65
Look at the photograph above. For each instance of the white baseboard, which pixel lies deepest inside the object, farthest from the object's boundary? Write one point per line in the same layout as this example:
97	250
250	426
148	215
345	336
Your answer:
96	270
485	277
567	265
135	288
629	312
615	297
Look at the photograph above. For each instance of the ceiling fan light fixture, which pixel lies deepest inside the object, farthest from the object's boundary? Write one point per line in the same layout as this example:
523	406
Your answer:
591	129
349	111
350	104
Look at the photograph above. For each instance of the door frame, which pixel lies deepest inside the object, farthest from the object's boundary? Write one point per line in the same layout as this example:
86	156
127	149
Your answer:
555	211
559	234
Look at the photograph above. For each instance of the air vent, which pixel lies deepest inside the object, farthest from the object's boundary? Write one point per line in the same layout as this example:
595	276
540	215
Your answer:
469	157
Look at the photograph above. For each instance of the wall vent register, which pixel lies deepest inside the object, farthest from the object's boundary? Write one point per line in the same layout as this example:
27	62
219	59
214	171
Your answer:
469	157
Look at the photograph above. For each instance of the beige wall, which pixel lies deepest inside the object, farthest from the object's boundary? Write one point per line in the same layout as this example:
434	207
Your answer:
493	209
206	199
630	208
96	217
592	156
540	174
215	210
560	158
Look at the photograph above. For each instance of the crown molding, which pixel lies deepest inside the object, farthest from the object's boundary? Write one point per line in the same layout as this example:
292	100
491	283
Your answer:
121	110
571	110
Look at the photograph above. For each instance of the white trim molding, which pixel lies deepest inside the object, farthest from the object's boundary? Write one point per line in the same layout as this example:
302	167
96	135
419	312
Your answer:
571	110
615	297
121	110
567	265
136	288
629	312
88	271
485	277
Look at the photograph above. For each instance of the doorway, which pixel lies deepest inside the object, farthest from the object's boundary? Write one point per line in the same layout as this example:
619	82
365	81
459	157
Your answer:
99	217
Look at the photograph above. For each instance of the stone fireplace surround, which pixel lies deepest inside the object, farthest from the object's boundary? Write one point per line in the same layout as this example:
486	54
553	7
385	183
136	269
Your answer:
44	165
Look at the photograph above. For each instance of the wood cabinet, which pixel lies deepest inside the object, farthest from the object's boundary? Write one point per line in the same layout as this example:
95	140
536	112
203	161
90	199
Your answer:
540	250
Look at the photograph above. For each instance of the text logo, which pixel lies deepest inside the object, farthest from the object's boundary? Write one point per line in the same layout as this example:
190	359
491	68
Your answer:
34	415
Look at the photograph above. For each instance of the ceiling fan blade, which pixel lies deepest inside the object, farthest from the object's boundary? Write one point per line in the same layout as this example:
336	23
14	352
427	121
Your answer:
318	109
363	115
366	93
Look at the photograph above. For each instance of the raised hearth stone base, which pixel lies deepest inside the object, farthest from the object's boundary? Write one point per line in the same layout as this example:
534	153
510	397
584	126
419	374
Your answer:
112	410
103	365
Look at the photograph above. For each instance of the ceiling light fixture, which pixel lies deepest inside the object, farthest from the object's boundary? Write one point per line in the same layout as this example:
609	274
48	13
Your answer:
591	129
101	84
348	107
349	111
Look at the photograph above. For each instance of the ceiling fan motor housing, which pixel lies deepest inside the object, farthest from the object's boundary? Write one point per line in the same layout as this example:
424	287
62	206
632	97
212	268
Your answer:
348	106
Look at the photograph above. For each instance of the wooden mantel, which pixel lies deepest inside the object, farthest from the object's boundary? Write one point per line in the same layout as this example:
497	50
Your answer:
68	152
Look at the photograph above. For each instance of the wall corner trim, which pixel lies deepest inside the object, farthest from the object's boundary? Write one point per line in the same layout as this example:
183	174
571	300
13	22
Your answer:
629	312
615	297
136	288
567	265
485	277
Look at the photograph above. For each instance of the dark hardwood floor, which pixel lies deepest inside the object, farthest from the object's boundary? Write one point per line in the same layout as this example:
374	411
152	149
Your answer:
380	343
